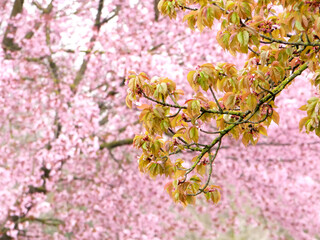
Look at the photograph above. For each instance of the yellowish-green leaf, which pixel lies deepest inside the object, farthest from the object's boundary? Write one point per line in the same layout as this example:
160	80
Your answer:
245	38
302	123
298	25
201	169
275	117
194	134
240	38
191	200
128	102
252	102
246	138
263	130
215	196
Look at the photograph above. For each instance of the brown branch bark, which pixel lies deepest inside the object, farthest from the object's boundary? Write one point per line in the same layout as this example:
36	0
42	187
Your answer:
156	10
114	144
98	23
8	42
86	59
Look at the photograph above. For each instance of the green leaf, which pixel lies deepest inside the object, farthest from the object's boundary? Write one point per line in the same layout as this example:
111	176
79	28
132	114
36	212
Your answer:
230	5
224	24
215	196
298	25
245	138
240	38
195	106
225	39
275	117
203	80
229	103
158	112
203	2
191	200
195	178
252	102
164	125
263	130
152	170
210	17
201	169
234	18
156	147
255	40
193	134
208	195
246	9
302	123
318	131
245	38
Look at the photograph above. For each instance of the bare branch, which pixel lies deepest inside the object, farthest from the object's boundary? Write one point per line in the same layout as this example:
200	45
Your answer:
117	143
212	158
115	13
156	10
86	59
215	99
8	42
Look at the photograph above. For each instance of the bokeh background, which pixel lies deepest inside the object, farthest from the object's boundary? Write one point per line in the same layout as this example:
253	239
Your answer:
67	167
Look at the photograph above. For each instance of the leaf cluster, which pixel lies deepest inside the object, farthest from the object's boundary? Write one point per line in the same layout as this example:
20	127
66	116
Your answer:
279	47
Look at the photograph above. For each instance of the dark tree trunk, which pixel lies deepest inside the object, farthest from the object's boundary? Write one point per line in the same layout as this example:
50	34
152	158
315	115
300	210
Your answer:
8	42
156	11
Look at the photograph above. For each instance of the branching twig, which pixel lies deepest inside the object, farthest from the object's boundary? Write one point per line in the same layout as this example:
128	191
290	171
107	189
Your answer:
115	13
163	103
85	61
212	158
188	8
253	51
236	113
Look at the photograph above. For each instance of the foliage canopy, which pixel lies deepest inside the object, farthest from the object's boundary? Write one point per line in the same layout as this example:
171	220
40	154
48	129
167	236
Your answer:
281	40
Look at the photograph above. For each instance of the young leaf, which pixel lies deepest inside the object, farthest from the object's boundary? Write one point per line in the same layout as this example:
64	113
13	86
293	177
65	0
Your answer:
252	102
275	117
194	134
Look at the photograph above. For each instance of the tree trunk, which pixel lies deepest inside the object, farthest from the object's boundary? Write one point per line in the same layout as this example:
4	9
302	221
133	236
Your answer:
156	11
8	42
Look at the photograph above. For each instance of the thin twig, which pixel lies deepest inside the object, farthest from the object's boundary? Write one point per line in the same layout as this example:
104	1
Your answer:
253	51
208	132
188	8
215	99
212	158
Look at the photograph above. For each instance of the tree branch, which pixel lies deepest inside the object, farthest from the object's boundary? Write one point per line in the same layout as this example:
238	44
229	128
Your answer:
115	13
236	113
86	59
212	158
8	42
117	143
156	10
